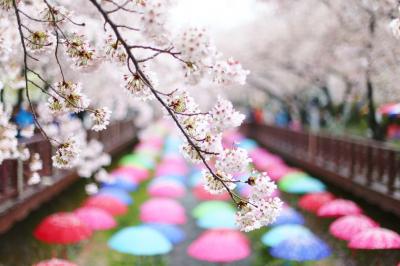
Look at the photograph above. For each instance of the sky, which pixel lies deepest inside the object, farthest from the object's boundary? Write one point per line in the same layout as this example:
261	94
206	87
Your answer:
216	15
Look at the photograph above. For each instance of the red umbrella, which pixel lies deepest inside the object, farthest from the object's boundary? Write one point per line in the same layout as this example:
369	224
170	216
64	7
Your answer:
221	246
96	218
107	203
313	201
375	238
347	226
55	262
162	210
202	194
62	228
337	208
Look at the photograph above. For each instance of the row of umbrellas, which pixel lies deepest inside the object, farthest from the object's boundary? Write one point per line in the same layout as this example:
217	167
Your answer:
98	212
351	225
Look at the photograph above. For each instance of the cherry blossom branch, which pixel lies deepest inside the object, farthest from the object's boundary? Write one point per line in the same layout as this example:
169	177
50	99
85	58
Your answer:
147	82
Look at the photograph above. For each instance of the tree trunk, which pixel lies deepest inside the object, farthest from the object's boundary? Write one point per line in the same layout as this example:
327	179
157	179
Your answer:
377	132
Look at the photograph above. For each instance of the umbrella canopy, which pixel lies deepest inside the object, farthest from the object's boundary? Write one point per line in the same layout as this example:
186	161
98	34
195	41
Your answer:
172	232
309	247
222	246
289	216
201	194
337	208
62	228
137	159
140	241
172	178
247	144
221	219
118	194
55	262
195	179
95	218
313	201
162	210
289	179
136	174
304	185
276	172
122	182
211	207
347	226
282	232
375	238
168	189
110	204
171	169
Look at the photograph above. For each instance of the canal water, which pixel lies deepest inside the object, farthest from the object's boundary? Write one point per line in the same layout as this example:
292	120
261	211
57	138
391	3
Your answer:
19	248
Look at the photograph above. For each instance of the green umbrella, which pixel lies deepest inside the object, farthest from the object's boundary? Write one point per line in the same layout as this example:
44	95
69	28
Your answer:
289	179
208	207
138	159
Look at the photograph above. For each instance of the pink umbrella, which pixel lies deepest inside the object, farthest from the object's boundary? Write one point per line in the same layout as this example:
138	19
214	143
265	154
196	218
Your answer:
375	238
347	226
96	218
55	262
171	169
202	194
107	203
135	173
162	210
220	246
276	172
337	208
167	189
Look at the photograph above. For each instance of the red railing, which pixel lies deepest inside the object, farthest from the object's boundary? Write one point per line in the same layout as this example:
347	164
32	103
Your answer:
14	174
368	168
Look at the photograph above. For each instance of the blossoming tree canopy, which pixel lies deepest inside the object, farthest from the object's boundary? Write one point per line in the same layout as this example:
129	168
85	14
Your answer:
75	53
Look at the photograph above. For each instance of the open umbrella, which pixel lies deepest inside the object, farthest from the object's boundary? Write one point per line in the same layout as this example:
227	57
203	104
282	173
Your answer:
291	178
140	241
308	247
137	174
195	178
172	232
96	218
375	238
289	216
220	245
201	194
162	210
247	144
168	189
62	228
173	178
55	262
110	204
347	226
137	159
337	208
216	220
122	182
313	201
282	232
304	185
171	169
117	193
211	207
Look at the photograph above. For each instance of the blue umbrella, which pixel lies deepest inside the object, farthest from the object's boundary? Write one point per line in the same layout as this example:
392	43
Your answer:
172	232
282	232
221	219
247	144
301	249
195	178
117	193
122	183
289	216
305	185
140	241
173	178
